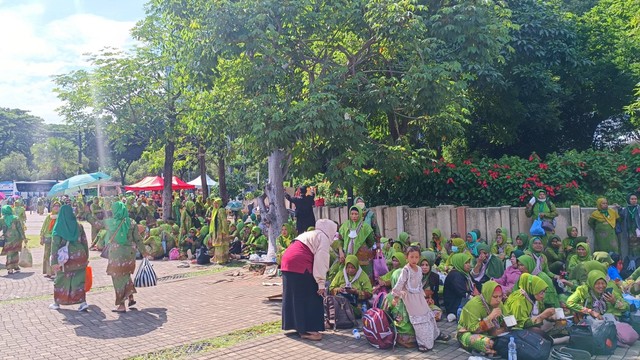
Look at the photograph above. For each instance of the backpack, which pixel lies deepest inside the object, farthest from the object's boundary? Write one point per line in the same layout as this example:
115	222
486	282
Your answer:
202	256
338	313
378	328
174	254
529	344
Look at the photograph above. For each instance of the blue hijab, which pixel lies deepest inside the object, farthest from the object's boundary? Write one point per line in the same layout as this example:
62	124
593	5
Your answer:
473	245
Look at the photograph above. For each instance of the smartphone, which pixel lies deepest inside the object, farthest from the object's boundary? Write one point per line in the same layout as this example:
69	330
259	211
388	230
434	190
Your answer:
609	290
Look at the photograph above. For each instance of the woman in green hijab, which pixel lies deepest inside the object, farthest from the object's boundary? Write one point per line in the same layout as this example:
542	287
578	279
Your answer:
555	254
175	208
486	265
583	253
122	234
603	222
458	284
186	218
527	305
541	207
352	283
398	261
153	244
218	233
439	245
13	233
402	242
256	242
406	333
68	285
522	242
482	320
528	264
593	299
571	241
284	240
356	238
581	271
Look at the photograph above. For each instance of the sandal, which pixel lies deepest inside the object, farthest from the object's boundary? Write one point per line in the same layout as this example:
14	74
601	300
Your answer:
10	272
423	349
131	303
312	337
119	311
443	337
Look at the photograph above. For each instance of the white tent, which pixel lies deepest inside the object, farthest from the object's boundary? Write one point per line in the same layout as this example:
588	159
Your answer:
198	183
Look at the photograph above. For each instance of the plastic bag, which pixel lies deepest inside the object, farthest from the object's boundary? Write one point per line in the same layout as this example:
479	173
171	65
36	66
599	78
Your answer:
379	265
536	228
26	260
88	280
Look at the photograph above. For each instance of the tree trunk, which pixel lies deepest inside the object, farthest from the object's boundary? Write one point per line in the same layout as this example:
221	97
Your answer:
168	177
203	171
222	180
274	190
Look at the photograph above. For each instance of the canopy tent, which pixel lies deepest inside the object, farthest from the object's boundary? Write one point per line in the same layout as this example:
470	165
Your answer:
156	183
197	182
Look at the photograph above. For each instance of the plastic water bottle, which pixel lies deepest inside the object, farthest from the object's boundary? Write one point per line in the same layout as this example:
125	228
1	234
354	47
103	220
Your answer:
513	354
356	334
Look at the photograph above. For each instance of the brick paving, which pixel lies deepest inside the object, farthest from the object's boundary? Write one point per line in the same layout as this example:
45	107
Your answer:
176	312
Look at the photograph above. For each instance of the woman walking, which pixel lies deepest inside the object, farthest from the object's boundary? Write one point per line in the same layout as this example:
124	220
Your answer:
304	270
68	285
122	234
45	238
13	234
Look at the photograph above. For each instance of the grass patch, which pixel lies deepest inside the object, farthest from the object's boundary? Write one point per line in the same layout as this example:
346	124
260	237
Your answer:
218	342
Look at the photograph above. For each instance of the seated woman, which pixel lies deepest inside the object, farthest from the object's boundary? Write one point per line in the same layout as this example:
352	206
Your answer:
257	243
571	241
472	243
522	242
458	284
511	274
356	238
189	243
398	261
541	269
580	272
555	254
597	297
439	246
526	303
352	283
500	248
406	335
153	243
486	266
482	320
431	287
583	253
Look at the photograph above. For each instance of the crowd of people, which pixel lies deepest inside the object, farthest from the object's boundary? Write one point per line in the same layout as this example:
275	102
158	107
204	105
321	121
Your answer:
539	279
473	280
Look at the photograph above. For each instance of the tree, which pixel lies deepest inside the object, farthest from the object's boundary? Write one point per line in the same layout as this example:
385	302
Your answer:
55	159
19	131
14	167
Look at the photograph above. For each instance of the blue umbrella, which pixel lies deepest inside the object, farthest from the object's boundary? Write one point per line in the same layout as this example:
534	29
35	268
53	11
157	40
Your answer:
77	183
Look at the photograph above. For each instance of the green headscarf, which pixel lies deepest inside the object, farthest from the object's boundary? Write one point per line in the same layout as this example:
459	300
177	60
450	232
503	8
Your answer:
428	255
398	255
7	214
528	262
478	308
154	232
239	226
66	225
189	205
534	239
395	277
361	236
603	257
403	239
593	277
460	243
119	214
525	241
586	247
532	284
458	261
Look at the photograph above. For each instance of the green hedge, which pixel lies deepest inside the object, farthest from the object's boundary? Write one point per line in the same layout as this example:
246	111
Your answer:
569	178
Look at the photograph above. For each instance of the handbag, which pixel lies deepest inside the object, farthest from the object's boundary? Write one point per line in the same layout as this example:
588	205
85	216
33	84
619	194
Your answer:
145	276
530	345
105	252
26	260
536	228
379	265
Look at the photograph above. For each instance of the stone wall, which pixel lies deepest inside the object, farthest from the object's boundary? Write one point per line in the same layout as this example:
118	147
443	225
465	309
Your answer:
419	222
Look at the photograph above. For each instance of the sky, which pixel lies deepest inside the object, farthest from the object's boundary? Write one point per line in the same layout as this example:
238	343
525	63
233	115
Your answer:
41	38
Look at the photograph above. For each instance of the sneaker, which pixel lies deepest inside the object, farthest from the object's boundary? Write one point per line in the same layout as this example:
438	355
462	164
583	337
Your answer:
83	307
54	306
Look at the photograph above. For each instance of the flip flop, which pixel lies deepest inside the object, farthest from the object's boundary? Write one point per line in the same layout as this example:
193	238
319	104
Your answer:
119	311
131	303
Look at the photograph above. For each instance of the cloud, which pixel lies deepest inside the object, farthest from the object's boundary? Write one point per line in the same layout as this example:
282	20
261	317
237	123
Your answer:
35	49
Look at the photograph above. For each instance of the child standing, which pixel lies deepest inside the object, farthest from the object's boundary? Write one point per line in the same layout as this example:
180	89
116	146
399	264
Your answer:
409	288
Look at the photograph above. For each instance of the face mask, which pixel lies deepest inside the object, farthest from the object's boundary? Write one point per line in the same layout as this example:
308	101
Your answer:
359	205
454	249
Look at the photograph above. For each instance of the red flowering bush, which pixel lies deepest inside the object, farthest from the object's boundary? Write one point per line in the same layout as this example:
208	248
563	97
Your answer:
569	178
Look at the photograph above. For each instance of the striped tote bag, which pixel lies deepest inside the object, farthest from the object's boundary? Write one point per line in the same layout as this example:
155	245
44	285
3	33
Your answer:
145	276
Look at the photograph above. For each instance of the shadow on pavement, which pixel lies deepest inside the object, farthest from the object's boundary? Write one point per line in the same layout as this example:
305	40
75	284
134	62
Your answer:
18	276
94	323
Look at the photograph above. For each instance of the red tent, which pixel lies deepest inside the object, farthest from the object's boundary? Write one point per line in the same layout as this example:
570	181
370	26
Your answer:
156	183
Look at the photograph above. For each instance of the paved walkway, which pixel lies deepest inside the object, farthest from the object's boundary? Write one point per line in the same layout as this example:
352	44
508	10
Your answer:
187	305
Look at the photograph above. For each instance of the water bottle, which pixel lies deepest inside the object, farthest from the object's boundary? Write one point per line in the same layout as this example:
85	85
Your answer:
356	334
513	354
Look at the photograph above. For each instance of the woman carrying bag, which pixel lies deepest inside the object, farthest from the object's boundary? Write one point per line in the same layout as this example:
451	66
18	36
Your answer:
122	234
